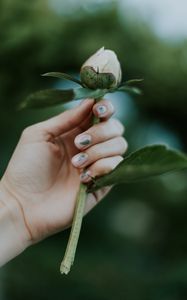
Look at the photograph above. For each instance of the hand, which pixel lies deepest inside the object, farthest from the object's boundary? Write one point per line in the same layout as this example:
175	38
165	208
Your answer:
44	173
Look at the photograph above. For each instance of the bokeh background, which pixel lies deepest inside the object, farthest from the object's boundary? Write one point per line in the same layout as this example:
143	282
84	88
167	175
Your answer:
133	246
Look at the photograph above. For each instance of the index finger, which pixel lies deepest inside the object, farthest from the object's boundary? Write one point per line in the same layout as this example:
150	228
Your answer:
103	109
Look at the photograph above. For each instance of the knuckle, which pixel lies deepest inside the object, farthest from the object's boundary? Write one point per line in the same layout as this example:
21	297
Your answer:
119	126
115	161
101	168
27	131
98	131
33	132
110	167
103	130
123	144
106	165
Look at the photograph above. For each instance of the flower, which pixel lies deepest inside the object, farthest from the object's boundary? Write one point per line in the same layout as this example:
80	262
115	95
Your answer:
102	70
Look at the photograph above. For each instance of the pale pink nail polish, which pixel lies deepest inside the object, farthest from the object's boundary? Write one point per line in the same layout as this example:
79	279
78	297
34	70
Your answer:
85	176
79	159
83	140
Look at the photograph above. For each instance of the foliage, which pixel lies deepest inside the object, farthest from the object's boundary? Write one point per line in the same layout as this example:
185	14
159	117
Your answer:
142	164
134	245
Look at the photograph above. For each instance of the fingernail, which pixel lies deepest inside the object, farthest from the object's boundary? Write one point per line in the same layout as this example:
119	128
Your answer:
85	176
101	110
83	140
79	159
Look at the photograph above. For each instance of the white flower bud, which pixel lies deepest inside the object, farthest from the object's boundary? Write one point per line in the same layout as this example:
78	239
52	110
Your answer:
102	70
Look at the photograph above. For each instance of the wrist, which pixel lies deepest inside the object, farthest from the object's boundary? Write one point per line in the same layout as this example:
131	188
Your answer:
14	237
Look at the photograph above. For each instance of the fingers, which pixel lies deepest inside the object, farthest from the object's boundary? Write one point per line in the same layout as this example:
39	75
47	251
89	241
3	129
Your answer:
99	133
65	121
112	147
75	116
100	168
103	110
78	116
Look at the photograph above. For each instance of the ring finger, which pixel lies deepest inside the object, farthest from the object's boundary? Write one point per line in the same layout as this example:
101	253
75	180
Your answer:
112	147
100	167
99	133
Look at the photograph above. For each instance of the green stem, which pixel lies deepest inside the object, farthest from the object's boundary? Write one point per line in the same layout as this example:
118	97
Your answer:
77	222
75	231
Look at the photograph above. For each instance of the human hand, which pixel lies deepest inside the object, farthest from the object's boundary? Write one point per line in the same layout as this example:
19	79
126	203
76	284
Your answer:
44	173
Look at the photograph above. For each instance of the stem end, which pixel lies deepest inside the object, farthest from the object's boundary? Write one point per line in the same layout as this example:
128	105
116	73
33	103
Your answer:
64	268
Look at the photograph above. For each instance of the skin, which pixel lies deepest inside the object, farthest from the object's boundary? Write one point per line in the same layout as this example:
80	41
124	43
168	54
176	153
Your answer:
42	179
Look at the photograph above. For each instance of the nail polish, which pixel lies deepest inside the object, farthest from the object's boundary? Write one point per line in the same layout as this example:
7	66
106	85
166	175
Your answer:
79	159
85	176
101	110
83	140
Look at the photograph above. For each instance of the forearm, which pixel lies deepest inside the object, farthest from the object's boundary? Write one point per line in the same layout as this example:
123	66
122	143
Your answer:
13	238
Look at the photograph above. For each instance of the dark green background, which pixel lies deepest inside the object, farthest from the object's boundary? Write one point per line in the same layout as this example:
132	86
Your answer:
133	246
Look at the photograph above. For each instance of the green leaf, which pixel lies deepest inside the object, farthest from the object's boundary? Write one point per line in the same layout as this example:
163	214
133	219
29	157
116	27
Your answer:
141	164
62	76
46	98
132	81
82	93
52	97
130	89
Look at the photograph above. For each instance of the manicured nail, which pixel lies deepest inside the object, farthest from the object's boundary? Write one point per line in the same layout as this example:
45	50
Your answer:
79	159
83	140
101	110
85	176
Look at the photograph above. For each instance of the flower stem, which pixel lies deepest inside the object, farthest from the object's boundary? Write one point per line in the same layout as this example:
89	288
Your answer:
77	222
75	231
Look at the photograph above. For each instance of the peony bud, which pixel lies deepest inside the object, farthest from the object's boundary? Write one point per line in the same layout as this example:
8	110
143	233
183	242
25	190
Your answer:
102	70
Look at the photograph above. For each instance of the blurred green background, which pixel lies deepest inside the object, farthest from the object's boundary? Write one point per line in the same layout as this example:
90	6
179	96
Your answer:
133	246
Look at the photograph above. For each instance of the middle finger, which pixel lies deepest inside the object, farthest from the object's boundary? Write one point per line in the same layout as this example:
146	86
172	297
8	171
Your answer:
112	147
99	133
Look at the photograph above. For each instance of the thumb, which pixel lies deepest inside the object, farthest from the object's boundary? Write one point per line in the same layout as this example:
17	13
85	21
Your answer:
68	119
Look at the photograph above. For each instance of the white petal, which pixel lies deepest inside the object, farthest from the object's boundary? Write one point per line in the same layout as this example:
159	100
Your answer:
105	61
113	65
97	61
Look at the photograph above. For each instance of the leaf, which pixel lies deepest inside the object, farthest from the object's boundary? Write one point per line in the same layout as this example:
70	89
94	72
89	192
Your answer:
81	93
46	98
62	76
130	89
141	164
52	97
132	81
